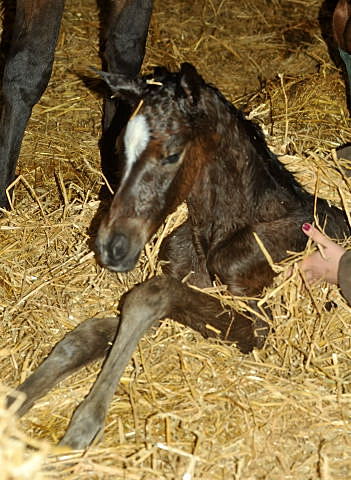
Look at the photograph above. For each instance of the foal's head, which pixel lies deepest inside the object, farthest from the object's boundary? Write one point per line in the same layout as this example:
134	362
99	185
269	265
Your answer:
160	162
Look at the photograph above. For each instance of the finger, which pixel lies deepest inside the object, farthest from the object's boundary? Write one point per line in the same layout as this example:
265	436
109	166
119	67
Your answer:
316	235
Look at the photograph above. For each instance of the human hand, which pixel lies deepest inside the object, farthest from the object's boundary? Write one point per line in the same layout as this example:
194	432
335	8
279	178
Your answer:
323	264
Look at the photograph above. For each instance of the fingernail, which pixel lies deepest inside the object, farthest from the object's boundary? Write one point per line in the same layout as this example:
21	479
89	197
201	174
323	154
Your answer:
306	227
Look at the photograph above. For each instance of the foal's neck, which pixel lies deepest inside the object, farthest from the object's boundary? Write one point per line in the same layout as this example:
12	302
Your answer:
239	178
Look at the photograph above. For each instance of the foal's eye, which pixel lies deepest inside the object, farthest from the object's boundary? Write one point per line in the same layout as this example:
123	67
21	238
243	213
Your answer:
171	159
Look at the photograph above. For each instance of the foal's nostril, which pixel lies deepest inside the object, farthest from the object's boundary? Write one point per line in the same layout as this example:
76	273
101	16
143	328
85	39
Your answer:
119	246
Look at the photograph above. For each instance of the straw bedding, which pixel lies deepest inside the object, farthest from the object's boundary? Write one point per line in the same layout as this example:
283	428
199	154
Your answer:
186	408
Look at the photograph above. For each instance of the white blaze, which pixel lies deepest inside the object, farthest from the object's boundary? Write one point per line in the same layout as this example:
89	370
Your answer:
136	138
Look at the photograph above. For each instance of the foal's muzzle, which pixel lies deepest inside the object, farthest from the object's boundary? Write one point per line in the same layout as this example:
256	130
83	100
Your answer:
118	247
116	252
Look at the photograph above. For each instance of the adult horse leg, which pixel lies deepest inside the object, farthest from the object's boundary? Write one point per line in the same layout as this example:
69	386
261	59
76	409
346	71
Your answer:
26	74
89	341
125	32
145	304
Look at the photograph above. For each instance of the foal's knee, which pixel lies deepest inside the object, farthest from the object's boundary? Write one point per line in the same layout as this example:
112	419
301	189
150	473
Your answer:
150	299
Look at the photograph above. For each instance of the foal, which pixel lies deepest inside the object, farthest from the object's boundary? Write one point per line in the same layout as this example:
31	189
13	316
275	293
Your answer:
185	142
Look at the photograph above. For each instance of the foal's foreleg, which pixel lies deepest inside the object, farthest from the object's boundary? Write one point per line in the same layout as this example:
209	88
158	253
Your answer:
151	301
89	341
183	257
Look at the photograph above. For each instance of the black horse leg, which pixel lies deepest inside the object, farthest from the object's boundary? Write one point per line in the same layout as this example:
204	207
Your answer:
125	38
147	303
26	74
89	341
126	28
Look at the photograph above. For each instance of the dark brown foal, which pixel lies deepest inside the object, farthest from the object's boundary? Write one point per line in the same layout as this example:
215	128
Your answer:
186	142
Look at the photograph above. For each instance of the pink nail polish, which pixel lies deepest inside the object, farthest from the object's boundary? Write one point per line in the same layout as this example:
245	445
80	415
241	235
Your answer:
306	227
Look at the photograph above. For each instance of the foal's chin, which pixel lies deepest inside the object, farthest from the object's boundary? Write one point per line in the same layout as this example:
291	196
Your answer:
121	265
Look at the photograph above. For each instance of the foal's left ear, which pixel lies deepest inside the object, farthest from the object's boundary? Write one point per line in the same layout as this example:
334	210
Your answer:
122	85
191	82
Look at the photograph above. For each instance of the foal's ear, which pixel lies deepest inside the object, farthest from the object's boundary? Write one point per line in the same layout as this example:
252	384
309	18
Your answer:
191	82
122	85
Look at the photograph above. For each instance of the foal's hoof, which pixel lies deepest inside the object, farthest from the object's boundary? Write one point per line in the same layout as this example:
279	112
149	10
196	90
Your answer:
85	428
80	437
248	333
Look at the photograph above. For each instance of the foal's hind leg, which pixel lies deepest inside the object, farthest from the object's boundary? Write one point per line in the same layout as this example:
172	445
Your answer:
155	299
240	262
89	341
185	258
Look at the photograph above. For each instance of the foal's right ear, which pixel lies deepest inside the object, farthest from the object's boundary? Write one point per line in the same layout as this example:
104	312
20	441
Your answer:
191	82
122	85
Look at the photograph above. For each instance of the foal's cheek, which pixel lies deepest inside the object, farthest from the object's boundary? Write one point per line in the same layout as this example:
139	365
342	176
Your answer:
178	187
144	200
